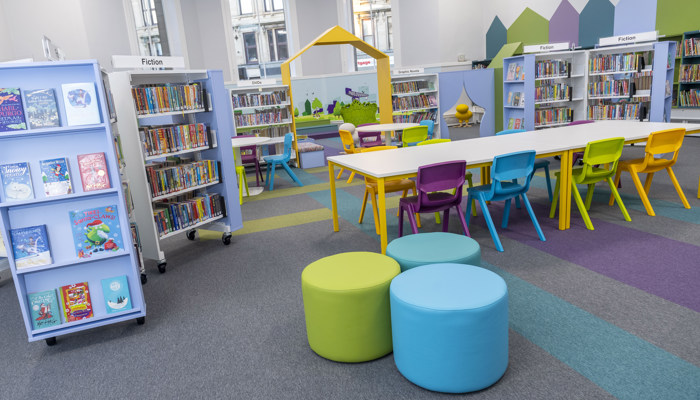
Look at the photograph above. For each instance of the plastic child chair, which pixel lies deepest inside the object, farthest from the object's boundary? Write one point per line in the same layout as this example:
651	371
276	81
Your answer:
600	152
349	148
390	186
249	155
431	126
412	136
505	171
281	159
579	154
660	142
431	182
370	139
539	164
242	180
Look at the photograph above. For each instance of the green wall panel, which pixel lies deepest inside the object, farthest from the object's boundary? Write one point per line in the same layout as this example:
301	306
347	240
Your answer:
596	21
673	17
496	37
529	28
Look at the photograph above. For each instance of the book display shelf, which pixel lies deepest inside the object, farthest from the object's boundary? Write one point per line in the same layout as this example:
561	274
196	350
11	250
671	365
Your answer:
175	129
63	213
415	98
689	71
519	92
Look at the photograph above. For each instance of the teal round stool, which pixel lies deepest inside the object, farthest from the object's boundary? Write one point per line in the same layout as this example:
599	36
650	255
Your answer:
412	251
346	304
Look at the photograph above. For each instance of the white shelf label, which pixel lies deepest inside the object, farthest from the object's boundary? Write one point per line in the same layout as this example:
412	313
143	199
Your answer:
541	48
131	62
626	39
407	71
257	82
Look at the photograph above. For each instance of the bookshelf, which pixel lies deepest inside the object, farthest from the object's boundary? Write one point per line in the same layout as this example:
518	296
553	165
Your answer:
560	88
689	71
66	267
519	92
196	185
415	98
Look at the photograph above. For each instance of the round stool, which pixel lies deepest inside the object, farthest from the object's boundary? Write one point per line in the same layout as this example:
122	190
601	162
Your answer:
346	303
450	327
434	248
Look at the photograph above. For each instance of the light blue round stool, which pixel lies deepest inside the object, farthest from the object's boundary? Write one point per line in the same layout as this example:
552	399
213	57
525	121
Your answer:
450	327
412	251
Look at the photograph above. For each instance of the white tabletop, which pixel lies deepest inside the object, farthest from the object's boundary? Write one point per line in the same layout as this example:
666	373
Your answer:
385	127
248	141
406	160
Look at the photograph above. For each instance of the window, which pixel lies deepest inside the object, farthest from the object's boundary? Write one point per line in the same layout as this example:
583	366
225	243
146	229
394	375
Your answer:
251	48
277	41
367	31
372	22
274	5
147	29
148	9
245	7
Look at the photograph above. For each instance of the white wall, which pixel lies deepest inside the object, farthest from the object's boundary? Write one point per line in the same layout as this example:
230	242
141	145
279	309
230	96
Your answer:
309	19
106	30
5	48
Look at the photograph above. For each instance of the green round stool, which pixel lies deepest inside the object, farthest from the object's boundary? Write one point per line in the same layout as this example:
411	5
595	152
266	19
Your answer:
434	248
346	303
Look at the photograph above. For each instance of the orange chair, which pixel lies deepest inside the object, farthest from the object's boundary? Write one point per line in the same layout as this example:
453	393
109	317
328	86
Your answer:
659	143
349	148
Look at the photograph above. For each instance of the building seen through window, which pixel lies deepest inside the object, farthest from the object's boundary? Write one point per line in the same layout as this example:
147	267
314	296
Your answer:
148	31
372	23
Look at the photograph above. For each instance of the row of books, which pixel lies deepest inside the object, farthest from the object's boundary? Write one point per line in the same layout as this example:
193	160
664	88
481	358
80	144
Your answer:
418	101
515	72
550	116
40	109
689	98
692	47
415	117
175	175
73	302
410	87
159	140
254	99
553	92
516	123
55	176
180	214
689	73
616	62
261	117
154	99
515	99
619	111
642	80
267	131
552	68
608	86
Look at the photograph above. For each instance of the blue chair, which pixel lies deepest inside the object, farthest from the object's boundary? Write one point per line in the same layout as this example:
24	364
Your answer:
431	126
281	159
505	171
539	164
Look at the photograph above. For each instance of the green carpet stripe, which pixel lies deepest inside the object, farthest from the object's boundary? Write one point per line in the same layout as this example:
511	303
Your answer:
272	223
267	194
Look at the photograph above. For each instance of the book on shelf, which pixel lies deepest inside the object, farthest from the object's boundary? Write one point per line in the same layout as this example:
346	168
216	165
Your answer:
255	99
11	111
80	102
44	309
16	181
511	72
93	171
96	231
179	174
517	123
186	211
159	140
30	246
41	108
116	294
76	301
55	176
511	123
159	98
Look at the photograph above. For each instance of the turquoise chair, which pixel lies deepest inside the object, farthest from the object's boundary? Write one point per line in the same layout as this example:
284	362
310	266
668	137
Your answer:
505	171
281	159
431	126
539	164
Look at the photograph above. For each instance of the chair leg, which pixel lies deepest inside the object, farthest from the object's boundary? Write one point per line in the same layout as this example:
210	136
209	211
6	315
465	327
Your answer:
549	182
340	173
489	224
240	189
291	174
647	182
401	210
698	188
462	220
470	184
403	194
271	173
413	190
642	193
589	195
375	210
616	181
553	209
364	205
678	187
446	220
517	198
506	214
615	193
533	218
257	171
468	213
581	206
352	176
412	219
245	182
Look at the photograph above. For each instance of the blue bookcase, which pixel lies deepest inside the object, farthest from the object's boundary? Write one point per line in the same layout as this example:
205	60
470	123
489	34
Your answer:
34	145
518	79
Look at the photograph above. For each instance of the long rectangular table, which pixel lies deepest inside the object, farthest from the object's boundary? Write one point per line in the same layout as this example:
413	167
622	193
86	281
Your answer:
479	152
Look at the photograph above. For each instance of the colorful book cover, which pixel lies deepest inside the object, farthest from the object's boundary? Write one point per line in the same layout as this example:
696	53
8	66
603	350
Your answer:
44	309
16	181
93	171
56	177
11	111
76	302
517	124
30	246
80	101
41	109
96	230
510	123
116	294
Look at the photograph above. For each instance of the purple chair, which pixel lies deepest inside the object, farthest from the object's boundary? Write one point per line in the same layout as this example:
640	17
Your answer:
579	154
431	182
249	155
370	139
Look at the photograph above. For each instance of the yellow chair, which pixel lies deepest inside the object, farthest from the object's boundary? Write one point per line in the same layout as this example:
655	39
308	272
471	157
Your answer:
390	186
412	136
660	142
242	179
698	188
349	148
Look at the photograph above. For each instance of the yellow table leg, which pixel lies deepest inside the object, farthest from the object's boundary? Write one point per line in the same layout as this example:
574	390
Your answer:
485	175
382	213
565	191
334	201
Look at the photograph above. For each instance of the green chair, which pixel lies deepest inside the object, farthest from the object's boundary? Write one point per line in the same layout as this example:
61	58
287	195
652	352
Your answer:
599	164
242	179
414	135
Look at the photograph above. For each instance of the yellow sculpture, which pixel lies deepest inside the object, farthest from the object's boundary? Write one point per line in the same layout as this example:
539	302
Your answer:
463	114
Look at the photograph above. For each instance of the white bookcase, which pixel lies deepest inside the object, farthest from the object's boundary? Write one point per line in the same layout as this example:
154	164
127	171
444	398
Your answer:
560	83
415	98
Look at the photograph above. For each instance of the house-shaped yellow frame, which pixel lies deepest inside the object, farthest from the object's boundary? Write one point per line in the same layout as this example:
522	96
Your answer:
337	35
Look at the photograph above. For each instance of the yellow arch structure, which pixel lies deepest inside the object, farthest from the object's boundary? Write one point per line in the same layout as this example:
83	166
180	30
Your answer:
337	35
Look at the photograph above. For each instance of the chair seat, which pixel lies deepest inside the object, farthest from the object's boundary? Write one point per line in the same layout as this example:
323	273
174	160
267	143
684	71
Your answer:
435	196
394	185
487	188
276	157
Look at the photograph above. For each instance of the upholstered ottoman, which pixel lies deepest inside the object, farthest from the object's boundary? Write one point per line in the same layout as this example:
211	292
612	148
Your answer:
434	248
450	327
346	303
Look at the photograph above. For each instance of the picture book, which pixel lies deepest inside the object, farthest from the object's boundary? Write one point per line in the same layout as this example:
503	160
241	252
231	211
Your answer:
511	72
93	171
11	111
510	123
76	302
30	245
517	123
16	181
41	109
80	101
116	294
56	177
96	230
44	309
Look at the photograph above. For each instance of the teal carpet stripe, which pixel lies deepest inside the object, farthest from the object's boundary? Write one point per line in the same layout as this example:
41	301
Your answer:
305	177
617	361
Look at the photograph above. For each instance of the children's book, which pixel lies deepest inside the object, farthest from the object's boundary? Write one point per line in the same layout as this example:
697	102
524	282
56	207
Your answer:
511	72
510	123
93	171
11	111
96	231
41	108
30	246
16	181
44	309
76	302
116	293
56	177
517	124
80	101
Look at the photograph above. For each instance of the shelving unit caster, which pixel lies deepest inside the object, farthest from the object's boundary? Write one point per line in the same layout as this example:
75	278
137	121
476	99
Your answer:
51	341
226	238
144	279
141	320
161	267
191	234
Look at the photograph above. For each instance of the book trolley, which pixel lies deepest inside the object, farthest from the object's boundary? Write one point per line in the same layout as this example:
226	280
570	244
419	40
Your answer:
175	129
69	264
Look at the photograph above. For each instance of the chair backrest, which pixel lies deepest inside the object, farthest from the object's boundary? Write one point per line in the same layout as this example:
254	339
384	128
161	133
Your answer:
288	139
248	153
581	122
507	167
662	142
347	140
431	126
509	131
439	177
598	153
370	139
411	136
433	141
